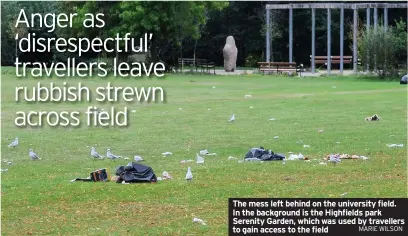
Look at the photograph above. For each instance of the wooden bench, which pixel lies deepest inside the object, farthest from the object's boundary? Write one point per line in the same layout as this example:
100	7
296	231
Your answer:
202	64
279	67
334	60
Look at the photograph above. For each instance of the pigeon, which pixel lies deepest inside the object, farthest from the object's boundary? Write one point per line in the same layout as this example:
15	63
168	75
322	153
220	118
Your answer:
334	159
232	119
111	155
95	154
200	159
138	158
14	143
33	155
189	175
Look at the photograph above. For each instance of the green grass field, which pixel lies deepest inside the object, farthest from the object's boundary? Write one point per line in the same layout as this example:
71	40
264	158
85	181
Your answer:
37	197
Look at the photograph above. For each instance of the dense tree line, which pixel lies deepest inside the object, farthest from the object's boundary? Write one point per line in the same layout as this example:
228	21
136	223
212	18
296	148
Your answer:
192	29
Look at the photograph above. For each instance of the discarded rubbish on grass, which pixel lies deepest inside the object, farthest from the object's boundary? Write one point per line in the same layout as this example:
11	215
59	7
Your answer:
185	161
294	157
138	158
199	221
261	154
166	154
345	156
166	175
272	118
375	117
306	146
231	158
320	131
200	159
395	145
248	96
276	137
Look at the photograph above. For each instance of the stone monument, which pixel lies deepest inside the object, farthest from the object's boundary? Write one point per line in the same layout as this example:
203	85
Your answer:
230	53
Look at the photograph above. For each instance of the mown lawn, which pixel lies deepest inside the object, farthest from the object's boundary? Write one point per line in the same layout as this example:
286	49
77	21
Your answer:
37	197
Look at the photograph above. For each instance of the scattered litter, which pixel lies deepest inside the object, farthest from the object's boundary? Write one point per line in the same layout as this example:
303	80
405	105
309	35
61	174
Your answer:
209	109
290	152
123	182
276	137
363	157
138	158
320	131
200	159
185	161
307	160
334	159
322	163
248	96
334	87
159	178
395	145
167	154
337	142
4	170
252	159
204	152
180	109
272	118
231	158
9	163
240	161
293	157
211	154
232	119
306	146
251	107
299	142
126	158
166	175
343	195
200	221
345	156
213	87
133	111
373	118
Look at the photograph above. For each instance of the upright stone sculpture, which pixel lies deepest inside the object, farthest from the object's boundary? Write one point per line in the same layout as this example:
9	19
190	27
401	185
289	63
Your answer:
230	53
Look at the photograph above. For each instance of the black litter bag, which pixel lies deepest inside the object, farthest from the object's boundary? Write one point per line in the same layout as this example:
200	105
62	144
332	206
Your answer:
264	155
135	173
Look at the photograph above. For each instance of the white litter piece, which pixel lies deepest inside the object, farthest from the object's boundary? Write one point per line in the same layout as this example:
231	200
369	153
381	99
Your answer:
213	87
251	107
123	182
240	161
248	96
252	159
133	111
276	137
9	163
231	158
343	194
159	178
167	154
307	160
180	109
322	163
209	109
290	152
337	142
306	146
200	159
363	157
4	170
334	87
199	221
204	152
395	145
126	158
272	118
185	161
232	119
138	158
320	131
211	154
166	175
300	156
299	142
